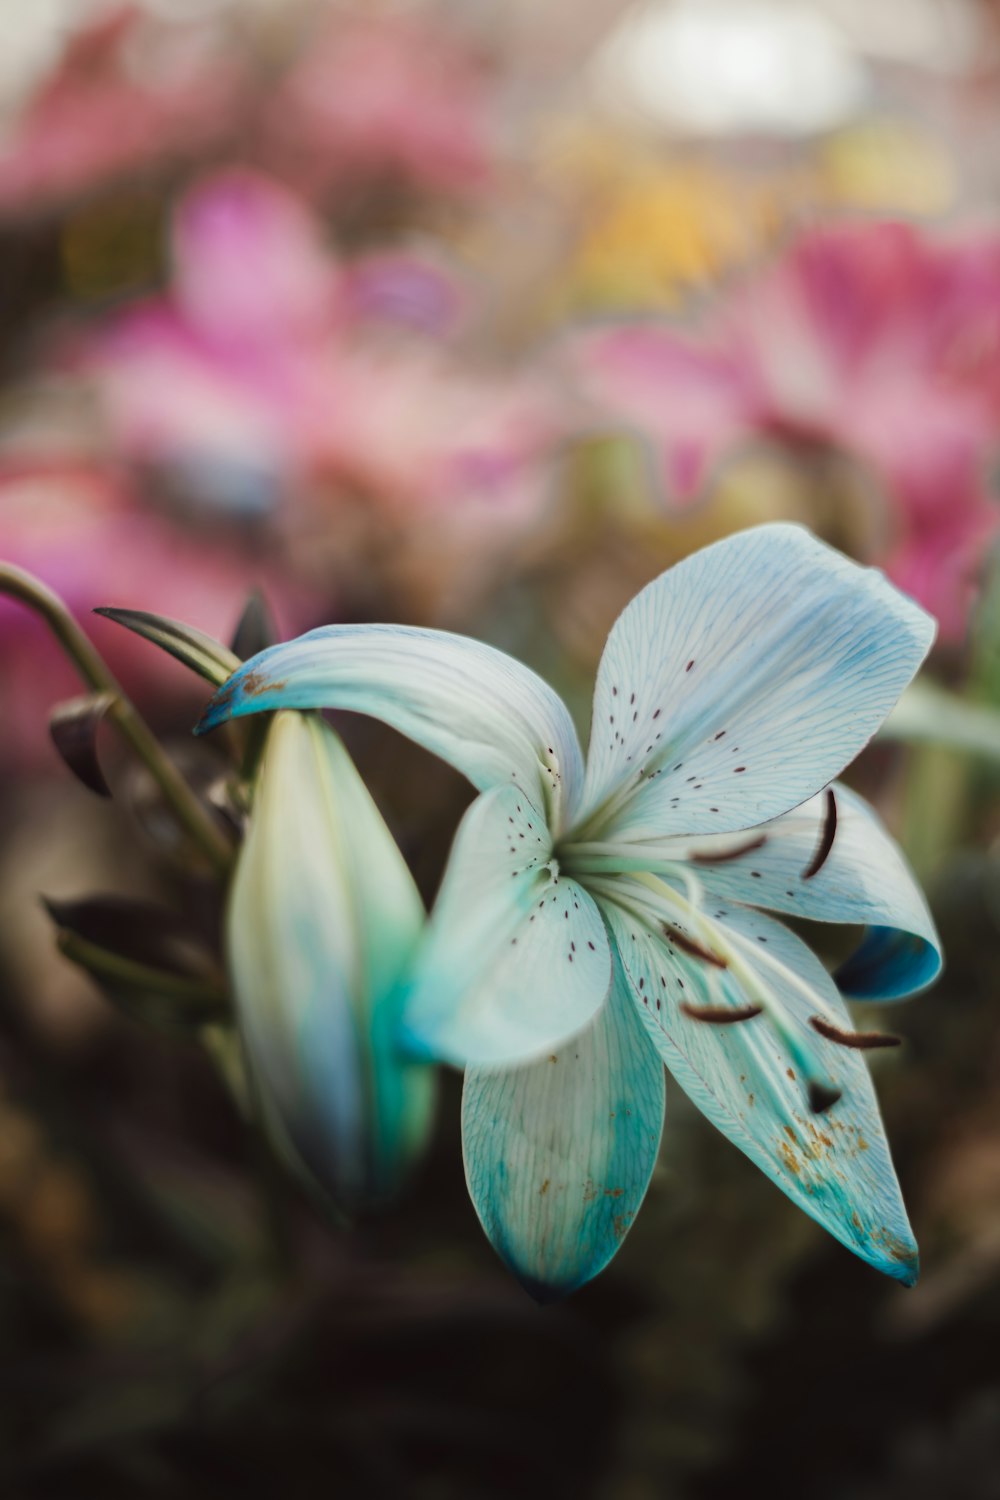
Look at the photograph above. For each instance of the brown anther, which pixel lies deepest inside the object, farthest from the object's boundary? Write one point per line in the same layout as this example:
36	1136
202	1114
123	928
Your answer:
688	945
720	857
862	1041
720	1015
826	838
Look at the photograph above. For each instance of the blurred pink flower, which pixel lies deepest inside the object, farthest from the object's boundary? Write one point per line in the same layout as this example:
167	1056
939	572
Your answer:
376	98
111	108
419	429
80	530
872	338
226	378
364	101
269	369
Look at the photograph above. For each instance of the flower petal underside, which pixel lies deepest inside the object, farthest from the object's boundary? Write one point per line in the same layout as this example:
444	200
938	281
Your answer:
831	860
746	1078
322	921
559	1152
477	708
740	683
515	959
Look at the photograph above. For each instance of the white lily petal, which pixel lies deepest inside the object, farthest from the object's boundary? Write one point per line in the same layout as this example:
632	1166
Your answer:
836	1164
830	860
515	958
740	683
559	1152
477	708
323	920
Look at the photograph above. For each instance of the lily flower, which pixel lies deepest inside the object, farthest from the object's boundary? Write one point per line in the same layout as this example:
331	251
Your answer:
600	918
323	919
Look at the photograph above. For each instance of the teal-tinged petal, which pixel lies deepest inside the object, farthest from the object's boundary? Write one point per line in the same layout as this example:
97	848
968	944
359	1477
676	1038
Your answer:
559	1152
323	920
832	860
835	1165
740	683
515	958
477	708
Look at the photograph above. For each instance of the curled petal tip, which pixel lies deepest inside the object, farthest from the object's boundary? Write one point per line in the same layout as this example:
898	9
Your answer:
910	1274
216	711
900	1259
544	1293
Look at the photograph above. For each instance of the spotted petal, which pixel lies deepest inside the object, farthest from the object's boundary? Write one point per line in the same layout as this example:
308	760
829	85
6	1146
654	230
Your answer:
515	958
477	708
323	919
744	1077
559	1152
833	861
741	682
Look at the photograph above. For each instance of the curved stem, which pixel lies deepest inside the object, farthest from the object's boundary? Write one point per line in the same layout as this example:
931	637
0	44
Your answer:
192	816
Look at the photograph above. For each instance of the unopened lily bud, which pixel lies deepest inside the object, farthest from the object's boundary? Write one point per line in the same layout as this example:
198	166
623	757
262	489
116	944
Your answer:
323	919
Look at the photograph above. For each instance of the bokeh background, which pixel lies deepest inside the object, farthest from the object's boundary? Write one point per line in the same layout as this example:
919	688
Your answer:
478	314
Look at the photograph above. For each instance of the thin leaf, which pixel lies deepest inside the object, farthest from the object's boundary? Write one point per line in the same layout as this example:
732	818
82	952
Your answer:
121	935
930	714
202	653
73	726
256	629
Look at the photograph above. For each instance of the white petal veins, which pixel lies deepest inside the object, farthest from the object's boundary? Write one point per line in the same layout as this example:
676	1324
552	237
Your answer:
835	1165
515	958
740	682
559	1153
483	712
864	878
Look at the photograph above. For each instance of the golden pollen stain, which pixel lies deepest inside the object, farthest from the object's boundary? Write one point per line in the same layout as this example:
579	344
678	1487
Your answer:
788	1157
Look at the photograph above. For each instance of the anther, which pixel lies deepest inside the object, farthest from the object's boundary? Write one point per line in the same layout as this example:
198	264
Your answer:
826	838
862	1041
720	1015
688	945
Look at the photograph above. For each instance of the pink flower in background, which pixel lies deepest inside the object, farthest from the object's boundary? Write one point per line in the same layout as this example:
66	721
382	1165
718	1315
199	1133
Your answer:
80	530
873	339
270	369
346	99
376	98
112	107
227	378
422	430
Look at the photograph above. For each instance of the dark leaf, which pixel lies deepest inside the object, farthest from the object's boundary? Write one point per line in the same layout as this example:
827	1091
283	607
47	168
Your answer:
256	629
73	726
143	959
137	932
202	653
147	960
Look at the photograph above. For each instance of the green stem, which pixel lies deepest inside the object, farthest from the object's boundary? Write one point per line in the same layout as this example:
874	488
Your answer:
190	814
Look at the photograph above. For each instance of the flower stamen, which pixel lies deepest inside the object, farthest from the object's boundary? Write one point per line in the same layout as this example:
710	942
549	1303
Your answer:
688	945
862	1041
721	1015
722	856
826	838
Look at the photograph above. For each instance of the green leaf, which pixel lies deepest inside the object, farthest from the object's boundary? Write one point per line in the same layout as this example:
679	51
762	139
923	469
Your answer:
256	629
931	715
202	653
